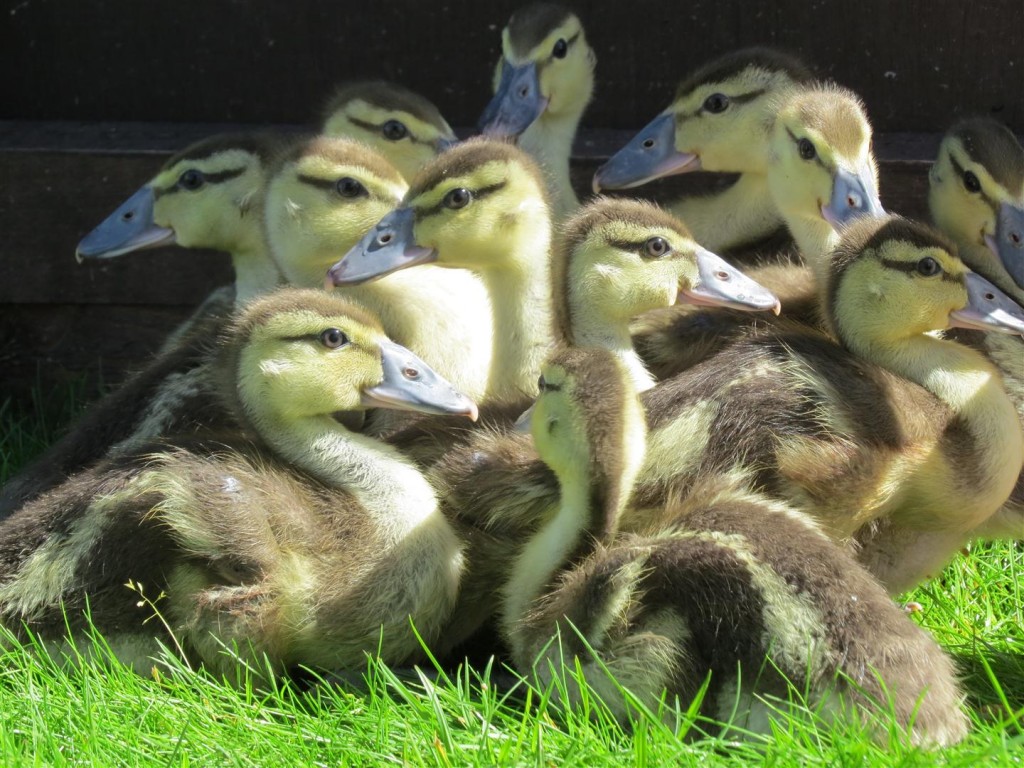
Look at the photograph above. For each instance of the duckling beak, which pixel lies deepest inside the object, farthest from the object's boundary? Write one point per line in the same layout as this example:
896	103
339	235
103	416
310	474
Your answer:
1008	244
649	155
129	228
388	247
722	285
444	143
988	309
409	384
522	424
853	195
516	104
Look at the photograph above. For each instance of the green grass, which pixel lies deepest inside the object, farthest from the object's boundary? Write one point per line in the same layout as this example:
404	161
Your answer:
97	712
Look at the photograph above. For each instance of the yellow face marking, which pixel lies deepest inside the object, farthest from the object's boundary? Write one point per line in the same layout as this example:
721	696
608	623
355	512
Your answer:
216	214
291	373
365	122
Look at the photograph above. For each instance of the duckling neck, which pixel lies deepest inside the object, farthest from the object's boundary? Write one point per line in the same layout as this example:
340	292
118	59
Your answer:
741	214
549	142
816	240
521	304
583	520
961	378
391	490
589	330
255	272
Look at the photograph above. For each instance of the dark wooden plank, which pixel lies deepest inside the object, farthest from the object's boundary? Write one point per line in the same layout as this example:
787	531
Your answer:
917	63
49	200
49	345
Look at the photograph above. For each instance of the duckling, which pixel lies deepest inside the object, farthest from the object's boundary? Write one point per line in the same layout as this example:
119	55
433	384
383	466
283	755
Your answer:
890	424
746	596
618	258
206	196
976	196
481	206
589	428
613	259
821	176
399	123
291	537
323	196
542	85
711	592
720	120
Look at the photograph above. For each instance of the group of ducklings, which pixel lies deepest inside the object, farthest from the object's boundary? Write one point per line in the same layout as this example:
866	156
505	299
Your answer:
714	494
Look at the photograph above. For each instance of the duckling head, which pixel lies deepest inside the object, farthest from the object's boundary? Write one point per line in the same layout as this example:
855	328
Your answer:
546	70
298	354
482	205
588	424
403	126
719	120
323	195
976	196
892	279
620	257
207	196
821	168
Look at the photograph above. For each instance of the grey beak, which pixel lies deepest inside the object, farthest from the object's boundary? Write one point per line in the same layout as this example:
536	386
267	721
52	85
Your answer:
410	384
517	103
129	228
387	247
853	195
649	155
1009	241
988	309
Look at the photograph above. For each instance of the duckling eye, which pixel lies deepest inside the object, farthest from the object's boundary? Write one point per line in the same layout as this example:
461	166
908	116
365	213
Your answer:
394	130
458	198
657	247
333	338
349	187
191	179
806	149
543	385
561	48
716	103
928	267
971	182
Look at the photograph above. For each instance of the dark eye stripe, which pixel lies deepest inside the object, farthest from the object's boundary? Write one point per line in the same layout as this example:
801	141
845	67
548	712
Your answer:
742	98
551	57
373	128
911	268
478	194
962	172
208	178
636	246
817	155
331	185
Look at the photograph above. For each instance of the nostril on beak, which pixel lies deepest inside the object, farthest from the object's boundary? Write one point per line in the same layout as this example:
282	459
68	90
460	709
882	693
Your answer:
384	239
722	275
990	297
524	92
411	373
127	215
648	143
853	201
1015	237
